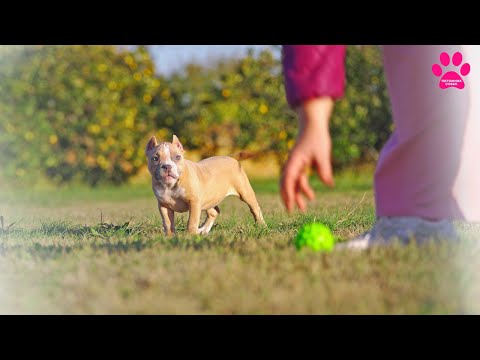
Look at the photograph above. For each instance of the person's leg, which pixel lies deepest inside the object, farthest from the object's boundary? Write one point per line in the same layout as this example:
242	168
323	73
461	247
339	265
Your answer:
426	175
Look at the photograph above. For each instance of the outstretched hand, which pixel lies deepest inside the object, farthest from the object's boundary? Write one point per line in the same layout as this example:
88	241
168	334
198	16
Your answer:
313	149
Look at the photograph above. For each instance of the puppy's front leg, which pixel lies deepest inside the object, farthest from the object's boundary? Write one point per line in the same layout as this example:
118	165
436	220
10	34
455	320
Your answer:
194	217
168	218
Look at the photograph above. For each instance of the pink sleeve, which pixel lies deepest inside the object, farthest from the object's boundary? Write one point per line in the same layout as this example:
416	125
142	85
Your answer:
312	71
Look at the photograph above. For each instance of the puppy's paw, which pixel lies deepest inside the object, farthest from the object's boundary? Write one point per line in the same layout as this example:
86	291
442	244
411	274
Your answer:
195	231
262	224
205	229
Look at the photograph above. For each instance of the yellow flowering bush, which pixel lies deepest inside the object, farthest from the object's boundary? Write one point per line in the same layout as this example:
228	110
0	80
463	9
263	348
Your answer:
75	112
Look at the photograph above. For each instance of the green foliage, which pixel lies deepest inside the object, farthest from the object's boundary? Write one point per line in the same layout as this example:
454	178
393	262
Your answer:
239	104
362	120
75	112
85	112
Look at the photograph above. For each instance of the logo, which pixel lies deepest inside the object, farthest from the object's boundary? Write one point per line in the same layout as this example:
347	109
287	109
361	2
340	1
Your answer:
452	78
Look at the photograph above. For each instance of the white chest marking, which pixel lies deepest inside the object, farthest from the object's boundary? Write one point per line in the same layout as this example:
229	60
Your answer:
171	198
166	193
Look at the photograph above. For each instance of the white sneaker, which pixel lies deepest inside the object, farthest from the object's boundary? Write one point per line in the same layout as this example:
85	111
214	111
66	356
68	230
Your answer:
386	230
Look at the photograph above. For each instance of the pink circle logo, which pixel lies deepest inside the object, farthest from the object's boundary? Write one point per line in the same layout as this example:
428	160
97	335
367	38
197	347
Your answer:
452	78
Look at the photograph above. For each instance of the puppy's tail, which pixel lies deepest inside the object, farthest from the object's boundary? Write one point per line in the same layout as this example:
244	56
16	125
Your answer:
245	154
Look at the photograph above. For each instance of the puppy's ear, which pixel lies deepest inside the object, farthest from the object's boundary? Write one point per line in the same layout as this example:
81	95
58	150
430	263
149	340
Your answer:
177	143
151	144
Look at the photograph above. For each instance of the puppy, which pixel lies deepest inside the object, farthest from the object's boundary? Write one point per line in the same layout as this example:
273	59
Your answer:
181	185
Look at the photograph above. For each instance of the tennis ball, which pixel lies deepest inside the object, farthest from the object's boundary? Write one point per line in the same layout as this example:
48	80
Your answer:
315	236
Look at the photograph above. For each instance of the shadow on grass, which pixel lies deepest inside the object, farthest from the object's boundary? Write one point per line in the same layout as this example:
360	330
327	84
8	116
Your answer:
51	240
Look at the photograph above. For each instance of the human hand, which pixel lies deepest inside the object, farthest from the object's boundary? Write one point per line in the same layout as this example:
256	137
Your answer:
313	148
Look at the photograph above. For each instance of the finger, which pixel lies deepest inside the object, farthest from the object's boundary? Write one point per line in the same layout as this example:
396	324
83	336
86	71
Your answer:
290	175
325	172
323	160
304	186
299	201
285	197
288	187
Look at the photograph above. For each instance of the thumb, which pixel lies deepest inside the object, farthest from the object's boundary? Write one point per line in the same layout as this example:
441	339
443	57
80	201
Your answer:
325	172
323	160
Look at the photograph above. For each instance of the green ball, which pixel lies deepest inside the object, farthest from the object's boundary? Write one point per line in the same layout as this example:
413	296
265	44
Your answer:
315	236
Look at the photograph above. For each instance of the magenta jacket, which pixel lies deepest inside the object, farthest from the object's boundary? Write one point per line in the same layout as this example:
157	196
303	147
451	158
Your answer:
312	71
429	166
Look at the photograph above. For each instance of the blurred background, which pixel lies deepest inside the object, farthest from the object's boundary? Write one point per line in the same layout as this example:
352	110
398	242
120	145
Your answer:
83	114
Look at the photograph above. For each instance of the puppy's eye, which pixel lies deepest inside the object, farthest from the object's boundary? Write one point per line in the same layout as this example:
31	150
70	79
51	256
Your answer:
155	158
178	157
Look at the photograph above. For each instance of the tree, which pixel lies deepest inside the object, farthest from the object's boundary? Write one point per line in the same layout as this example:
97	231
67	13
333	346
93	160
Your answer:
76	112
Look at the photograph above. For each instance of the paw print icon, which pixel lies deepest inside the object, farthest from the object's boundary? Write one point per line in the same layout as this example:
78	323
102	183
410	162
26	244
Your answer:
452	78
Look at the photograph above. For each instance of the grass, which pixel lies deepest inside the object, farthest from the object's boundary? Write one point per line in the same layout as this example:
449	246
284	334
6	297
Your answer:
101	251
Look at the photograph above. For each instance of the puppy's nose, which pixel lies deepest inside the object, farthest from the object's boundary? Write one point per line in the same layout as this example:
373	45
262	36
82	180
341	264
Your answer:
167	167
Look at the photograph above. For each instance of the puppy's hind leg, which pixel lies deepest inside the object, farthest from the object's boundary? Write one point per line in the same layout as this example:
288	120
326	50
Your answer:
247	195
210	220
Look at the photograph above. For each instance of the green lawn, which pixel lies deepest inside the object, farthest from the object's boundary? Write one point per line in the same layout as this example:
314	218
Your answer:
101	251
